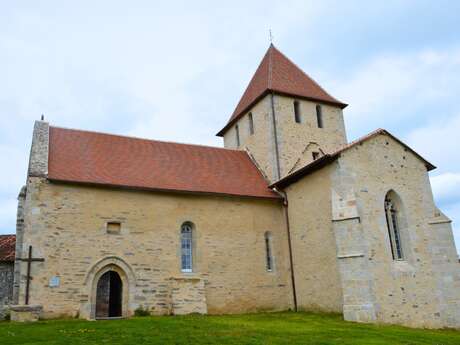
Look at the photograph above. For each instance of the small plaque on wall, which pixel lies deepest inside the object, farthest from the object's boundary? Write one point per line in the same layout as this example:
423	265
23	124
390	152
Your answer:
54	281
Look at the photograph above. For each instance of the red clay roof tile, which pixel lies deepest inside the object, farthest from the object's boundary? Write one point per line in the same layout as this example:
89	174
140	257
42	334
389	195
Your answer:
7	248
278	74
105	159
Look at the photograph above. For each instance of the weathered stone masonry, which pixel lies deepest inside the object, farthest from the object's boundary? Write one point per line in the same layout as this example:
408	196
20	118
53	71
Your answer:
19	241
340	240
229	257
7	243
6	286
423	290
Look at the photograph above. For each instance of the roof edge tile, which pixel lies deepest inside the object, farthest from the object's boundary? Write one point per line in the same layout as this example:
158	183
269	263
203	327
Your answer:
329	158
165	190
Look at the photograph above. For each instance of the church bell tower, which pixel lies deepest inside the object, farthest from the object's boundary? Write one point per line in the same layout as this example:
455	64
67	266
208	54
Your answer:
284	120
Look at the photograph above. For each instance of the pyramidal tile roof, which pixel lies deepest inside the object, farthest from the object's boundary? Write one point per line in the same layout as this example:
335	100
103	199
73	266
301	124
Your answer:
93	158
276	73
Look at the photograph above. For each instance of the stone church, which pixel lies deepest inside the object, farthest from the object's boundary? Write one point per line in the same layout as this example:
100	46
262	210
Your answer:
289	215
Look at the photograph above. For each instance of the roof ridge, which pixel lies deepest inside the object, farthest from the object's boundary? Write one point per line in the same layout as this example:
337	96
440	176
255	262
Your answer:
360	139
143	139
328	157
270	66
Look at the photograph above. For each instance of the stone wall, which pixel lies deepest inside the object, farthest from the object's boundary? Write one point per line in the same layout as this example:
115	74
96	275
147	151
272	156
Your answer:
261	144
19	240
356	279
6	286
38	162
296	141
341	246
412	291
313	243
66	224
188	296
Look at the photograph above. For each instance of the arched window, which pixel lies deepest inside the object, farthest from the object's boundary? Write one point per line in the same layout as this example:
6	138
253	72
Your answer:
268	252
392	213
186	239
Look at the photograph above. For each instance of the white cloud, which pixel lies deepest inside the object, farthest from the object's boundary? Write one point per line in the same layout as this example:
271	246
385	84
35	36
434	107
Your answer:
446	187
396	90
438	141
8	208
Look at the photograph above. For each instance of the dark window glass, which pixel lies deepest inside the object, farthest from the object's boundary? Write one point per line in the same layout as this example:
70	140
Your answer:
319	116
251	124
237	135
268	252
297	112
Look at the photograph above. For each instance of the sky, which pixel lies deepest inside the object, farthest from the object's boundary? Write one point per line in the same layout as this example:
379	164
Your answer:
175	71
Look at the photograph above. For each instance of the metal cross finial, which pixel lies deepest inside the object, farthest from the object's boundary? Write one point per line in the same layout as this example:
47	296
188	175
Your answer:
270	35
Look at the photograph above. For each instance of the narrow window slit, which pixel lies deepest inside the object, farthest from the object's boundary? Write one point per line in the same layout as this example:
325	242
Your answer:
319	116
297	112
268	252
251	124
237	130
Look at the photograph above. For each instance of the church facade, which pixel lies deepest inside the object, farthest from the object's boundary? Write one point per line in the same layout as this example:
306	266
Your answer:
288	215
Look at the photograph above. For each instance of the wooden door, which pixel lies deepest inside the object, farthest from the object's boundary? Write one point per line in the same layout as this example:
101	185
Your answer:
103	296
109	295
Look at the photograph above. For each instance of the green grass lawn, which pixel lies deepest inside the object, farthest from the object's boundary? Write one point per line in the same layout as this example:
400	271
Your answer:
267	328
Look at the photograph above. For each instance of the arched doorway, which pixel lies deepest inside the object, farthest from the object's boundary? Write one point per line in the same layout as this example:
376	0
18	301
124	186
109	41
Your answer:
128	282
109	295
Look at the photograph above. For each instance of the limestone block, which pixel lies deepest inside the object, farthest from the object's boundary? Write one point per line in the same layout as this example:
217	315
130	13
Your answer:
359	313
188	296
25	313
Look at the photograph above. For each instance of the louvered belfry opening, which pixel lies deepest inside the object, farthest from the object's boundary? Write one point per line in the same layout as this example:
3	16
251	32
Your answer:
109	295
